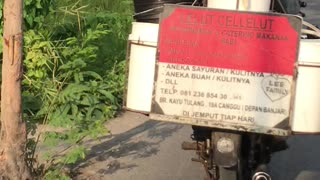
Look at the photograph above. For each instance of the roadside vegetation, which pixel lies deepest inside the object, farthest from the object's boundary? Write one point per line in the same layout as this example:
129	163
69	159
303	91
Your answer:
74	61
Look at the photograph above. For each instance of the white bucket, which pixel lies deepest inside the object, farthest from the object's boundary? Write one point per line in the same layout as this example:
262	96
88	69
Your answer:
306	114
142	58
244	5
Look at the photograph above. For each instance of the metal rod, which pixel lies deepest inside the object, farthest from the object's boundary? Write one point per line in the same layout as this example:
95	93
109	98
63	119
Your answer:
282	7
238	5
308	64
272	5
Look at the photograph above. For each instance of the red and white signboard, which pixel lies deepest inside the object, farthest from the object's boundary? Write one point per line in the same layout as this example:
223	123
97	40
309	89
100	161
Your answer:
225	67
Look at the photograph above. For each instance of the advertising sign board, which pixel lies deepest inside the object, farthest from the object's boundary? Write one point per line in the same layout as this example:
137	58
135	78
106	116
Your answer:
226	69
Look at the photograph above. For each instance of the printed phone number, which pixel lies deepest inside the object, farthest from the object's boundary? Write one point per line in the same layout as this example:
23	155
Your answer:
201	94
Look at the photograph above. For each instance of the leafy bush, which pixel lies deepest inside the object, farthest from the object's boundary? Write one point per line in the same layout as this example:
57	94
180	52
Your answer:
73	72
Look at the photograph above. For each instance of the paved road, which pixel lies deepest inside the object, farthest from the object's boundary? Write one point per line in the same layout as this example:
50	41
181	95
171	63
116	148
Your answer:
151	151
148	150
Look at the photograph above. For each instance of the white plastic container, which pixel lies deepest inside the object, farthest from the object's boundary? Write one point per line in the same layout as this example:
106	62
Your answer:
244	5
142	58
306	114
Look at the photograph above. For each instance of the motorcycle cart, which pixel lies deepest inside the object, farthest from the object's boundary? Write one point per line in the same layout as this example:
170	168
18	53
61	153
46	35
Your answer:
236	77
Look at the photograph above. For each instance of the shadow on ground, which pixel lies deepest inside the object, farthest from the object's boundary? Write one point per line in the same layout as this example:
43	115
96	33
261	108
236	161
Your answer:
141	142
300	161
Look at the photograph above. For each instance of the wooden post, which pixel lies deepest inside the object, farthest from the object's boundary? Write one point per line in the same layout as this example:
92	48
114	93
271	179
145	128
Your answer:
13	135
